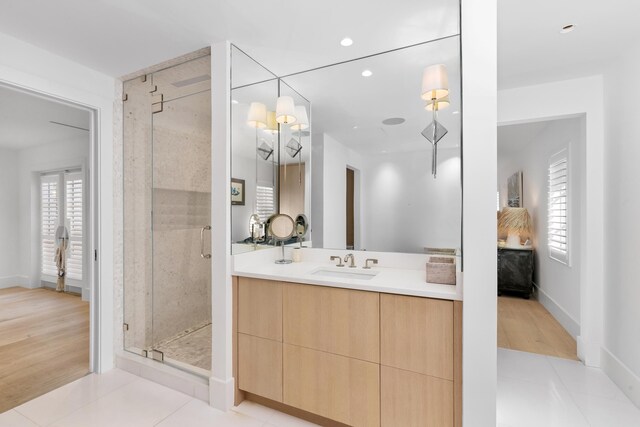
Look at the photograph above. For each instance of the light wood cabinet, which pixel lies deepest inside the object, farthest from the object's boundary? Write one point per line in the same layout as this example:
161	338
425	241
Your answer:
410	399
346	357
338	321
260	308
260	366
337	387
416	334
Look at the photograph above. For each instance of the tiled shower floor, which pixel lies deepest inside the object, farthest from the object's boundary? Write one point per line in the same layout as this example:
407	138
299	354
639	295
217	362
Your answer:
192	349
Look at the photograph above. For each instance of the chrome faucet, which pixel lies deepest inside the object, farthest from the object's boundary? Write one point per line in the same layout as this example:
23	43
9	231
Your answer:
350	257
340	264
366	263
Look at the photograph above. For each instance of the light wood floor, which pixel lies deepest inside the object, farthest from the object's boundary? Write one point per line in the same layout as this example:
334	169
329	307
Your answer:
44	343
526	325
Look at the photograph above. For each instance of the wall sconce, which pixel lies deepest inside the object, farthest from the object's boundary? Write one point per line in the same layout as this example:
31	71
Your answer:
264	150
257	117
294	148
285	110
272	124
435	90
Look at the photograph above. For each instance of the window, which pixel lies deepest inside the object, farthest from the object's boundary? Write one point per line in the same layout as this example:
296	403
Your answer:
264	202
50	213
557	217
62	203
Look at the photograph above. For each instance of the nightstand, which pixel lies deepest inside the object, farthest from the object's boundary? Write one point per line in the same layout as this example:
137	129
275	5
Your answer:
515	271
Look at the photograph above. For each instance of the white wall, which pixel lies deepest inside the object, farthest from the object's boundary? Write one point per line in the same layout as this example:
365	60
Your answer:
565	99
9	267
405	208
335	159
558	283
26	66
479	318
621	355
32	161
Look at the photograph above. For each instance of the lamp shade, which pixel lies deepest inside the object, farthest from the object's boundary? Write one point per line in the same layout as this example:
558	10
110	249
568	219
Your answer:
272	125
257	116
302	120
514	221
440	104
285	110
435	82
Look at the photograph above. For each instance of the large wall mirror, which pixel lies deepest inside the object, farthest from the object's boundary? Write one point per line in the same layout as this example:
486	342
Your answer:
379	170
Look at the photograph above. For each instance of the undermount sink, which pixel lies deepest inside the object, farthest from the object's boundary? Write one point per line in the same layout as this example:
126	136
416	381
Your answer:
346	273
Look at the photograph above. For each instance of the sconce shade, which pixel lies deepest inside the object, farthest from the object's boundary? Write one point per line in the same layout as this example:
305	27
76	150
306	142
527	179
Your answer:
302	120
435	82
257	117
440	104
285	110
272	125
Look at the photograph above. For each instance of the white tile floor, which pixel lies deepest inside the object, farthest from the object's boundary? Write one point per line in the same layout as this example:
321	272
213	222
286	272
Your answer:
536	390
533	390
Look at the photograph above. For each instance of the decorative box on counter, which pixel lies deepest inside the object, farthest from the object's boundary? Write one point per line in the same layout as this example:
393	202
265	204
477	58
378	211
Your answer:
441	270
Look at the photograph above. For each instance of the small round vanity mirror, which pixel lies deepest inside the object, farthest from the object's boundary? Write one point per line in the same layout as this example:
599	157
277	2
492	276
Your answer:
302	226
281	228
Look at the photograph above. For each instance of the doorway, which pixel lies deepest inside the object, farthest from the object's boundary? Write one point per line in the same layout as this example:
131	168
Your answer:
350	209
46	274
541	186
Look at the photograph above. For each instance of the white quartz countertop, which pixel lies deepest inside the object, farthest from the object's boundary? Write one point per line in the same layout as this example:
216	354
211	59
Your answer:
401	281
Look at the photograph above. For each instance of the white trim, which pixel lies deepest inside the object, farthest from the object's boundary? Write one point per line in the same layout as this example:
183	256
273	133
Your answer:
221	397
620	374
18	71
570	324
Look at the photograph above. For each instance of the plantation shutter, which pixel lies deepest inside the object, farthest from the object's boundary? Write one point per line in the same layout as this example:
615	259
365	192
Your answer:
74	208
264	202
557	239
50	213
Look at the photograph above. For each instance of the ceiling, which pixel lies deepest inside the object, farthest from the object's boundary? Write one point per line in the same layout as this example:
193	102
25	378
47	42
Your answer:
122	36
531	49
25	120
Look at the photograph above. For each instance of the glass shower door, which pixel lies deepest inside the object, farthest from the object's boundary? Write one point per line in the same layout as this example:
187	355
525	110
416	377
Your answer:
181	129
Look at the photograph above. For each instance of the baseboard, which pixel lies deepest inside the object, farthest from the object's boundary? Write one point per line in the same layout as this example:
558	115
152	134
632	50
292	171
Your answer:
12	281
221	393
620	374
567	322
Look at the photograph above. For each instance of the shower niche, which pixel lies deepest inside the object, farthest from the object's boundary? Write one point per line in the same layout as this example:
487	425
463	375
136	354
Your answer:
167	215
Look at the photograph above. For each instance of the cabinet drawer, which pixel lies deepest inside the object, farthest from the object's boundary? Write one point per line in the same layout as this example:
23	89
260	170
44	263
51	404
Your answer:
338	321
410	399
417	335
336	387
260	366
260	308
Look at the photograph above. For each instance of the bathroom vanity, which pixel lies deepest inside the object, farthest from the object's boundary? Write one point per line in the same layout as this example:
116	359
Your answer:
337	351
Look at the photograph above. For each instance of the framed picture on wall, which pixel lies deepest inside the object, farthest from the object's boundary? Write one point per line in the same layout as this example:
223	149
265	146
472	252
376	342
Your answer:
237	191
514	190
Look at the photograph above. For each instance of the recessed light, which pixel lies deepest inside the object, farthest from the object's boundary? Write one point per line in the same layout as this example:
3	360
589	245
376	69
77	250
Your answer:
384	151
355	127
456	112
346	42
391	121
567	29
233	101
367	73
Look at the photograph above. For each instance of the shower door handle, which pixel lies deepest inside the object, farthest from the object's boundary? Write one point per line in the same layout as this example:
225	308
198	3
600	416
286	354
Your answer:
202	254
